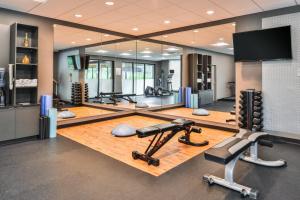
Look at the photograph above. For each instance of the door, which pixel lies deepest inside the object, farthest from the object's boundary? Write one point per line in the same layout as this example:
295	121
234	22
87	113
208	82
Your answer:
106	76
127	78
139	75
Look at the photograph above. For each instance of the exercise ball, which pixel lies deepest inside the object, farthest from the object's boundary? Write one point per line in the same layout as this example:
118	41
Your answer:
141	105
201	112
123	130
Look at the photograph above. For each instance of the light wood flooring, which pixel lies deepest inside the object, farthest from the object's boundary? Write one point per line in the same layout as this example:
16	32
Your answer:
98	136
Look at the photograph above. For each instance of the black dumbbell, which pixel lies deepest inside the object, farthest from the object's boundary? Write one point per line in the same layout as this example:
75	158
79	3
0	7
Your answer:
257	121
257	114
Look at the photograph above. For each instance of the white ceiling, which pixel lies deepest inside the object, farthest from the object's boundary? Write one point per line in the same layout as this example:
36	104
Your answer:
137	49
147	15
204	38
67	37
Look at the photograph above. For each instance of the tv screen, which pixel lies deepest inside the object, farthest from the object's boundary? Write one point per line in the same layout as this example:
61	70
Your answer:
74	62
262	45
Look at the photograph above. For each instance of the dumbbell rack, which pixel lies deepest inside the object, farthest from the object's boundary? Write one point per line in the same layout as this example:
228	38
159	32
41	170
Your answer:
76	97
86	92
251	110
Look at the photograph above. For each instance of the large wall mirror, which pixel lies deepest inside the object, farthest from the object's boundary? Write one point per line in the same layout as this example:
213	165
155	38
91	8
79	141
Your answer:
152	73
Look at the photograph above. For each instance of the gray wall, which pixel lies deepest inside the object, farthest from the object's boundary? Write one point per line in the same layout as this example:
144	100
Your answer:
281	82
45	70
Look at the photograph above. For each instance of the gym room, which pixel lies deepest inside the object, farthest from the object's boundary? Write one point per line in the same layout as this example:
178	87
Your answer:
127	99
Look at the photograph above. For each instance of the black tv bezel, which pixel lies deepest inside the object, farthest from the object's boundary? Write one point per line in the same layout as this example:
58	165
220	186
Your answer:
275	59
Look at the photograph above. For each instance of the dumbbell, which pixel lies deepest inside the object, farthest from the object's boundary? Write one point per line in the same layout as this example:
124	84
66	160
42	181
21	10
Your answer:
257	127
257	98
241	119
257	121
257	114
257	108
241	125
257	103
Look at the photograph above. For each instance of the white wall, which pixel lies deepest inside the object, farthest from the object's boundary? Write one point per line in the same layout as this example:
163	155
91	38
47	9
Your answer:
281	82
64	80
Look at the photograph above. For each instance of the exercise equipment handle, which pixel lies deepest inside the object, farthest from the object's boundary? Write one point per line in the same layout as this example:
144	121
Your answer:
196	129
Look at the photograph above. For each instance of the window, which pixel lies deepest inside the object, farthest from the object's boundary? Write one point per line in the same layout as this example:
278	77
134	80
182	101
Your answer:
149	75
139	76
176	78
106	79
127	78
92	71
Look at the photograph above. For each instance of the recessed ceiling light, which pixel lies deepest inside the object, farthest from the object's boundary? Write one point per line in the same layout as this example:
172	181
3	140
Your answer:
221	39
54	25
135	29
88	39
146	56
125	54
109	3
167	21
172	49
146	52
193	42
220	44
106	35
73	42
41	1
101	51
233	24
78	15
165	36
196	31
210	12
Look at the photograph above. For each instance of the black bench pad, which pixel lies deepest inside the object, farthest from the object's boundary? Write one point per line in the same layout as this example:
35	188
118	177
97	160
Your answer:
253	137
152	130
227	150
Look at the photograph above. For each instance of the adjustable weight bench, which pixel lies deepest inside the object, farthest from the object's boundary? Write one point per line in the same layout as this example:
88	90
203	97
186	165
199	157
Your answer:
159	141
127	97
230	151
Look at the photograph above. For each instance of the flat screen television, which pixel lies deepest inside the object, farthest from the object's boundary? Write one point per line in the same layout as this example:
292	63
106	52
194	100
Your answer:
263	45
74	62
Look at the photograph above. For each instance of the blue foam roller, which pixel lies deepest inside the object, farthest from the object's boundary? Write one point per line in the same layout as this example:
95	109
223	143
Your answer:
52	114
188	92
42	106
180	95
194	101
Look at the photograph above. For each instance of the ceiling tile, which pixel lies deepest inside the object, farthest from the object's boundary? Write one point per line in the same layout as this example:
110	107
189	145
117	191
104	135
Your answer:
18	5
271	4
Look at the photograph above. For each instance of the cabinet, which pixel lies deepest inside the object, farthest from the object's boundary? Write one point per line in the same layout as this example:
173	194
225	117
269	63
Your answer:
27	126
7	124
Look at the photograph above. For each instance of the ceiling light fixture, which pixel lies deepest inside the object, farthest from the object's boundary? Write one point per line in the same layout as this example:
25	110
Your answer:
88	39
125	54
135	29
109	3
167	21
54	25
165	36
220	44
233	24
172	49
73	42
40	1
101	51
221	39
210	12
78	15
196	31
146	52
106	35
193	42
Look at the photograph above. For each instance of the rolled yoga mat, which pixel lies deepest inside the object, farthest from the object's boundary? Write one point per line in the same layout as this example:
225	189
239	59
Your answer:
52	114
46	104
188	92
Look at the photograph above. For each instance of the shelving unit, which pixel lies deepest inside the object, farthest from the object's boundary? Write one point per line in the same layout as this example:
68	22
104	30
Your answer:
201	77
25	94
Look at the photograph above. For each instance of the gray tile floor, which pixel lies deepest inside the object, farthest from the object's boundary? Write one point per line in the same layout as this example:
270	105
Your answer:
60	169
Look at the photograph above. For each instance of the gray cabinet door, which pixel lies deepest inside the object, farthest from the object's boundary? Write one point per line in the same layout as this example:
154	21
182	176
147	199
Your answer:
7	124
27	121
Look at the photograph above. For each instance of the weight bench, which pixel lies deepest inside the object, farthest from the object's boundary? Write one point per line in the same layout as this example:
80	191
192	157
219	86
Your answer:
127	97
230	151
159	141
103	95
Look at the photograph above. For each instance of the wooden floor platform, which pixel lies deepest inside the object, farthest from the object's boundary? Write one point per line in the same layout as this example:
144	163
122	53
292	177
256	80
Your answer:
214	116
85	111
98	137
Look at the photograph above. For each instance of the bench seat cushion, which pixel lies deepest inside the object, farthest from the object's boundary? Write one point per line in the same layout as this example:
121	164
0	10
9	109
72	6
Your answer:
227	150
152	130
253	137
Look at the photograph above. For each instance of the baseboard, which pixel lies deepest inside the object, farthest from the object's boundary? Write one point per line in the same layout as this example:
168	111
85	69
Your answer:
16	141
277	136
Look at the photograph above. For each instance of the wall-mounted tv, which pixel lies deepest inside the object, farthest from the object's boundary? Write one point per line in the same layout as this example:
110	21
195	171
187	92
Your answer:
263	45
74	62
